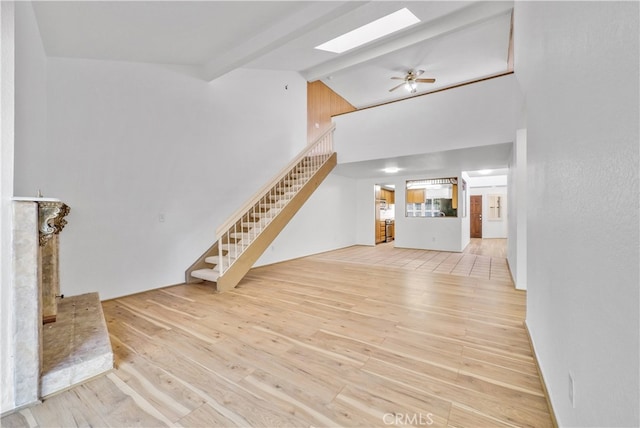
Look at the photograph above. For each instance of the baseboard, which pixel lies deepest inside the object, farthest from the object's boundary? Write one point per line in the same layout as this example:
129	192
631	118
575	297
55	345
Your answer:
542	381
89	379
513	279
19	408
143	291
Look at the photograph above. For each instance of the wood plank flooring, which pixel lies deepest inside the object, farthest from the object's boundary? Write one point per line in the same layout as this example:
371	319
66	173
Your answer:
320	341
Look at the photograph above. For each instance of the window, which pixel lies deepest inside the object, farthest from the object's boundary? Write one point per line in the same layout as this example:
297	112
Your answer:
434	197
495	207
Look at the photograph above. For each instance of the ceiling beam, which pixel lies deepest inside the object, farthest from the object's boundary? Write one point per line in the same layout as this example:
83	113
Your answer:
510	60
290	27
468	16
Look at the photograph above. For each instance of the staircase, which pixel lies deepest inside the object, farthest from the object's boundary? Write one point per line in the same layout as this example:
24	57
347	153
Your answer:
247	233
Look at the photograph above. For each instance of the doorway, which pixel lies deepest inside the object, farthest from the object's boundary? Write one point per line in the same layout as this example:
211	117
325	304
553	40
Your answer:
385	213
476	216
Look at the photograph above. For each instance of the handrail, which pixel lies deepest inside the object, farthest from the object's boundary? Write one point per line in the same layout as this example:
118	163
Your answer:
244	227
238	214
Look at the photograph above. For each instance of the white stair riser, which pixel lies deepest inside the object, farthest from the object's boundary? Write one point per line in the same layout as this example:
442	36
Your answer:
267	210
286	196
215	260
245	236
233	250
271	213
254	228
273	205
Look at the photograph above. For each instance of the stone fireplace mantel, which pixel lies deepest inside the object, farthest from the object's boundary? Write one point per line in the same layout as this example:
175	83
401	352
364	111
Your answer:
51	214
73	346
51	220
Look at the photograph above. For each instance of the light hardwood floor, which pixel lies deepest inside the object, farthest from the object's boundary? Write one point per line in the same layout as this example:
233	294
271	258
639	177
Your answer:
318	341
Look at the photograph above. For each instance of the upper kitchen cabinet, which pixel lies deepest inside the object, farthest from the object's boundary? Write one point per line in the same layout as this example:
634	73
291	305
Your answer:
432	197
388	196
415	196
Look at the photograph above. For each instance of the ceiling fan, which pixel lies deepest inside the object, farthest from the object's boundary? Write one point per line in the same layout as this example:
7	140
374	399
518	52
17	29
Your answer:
411	81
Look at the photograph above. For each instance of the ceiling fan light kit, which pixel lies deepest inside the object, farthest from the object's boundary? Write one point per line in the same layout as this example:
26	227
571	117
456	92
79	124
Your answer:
411	81
411	86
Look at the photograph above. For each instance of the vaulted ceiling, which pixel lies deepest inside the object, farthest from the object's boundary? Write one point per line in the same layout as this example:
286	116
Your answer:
454	42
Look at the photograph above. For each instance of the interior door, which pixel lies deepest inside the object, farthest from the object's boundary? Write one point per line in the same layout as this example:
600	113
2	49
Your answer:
476	216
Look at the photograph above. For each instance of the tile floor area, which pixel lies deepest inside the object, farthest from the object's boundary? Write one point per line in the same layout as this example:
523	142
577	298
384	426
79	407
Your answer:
483	258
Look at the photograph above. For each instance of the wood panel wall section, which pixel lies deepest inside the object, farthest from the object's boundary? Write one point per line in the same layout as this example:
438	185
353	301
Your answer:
322	103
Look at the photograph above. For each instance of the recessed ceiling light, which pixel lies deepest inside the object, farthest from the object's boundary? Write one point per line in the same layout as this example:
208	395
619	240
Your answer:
485	171
391	170
384	26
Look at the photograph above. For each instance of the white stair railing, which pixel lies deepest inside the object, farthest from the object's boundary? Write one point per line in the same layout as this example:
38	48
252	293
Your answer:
247	223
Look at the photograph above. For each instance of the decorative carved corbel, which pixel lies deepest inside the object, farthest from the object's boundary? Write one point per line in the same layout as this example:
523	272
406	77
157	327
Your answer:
51	219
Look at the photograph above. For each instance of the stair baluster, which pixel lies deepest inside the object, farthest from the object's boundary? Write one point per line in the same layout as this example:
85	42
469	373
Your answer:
247	227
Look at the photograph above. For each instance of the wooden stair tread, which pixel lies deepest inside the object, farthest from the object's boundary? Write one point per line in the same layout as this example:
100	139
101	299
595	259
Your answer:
206	274
245	241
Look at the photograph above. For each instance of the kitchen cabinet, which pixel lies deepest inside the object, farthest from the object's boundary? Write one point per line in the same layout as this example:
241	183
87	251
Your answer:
388	195
415	196
380	231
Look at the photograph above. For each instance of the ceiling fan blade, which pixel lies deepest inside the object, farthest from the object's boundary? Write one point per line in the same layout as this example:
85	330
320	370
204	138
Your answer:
396	87
426	80
399	78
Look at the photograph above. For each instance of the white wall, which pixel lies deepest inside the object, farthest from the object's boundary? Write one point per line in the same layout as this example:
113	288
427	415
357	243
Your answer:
493	228
366	209
128	142
325	222
440	233
578	66
474	115
464	212
437	233
488	181
7	320
517	211
31	99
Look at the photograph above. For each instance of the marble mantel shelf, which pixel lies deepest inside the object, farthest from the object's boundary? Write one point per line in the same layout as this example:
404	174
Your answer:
34	199
51	213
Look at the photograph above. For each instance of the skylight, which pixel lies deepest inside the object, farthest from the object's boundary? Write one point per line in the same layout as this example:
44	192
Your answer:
371	31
